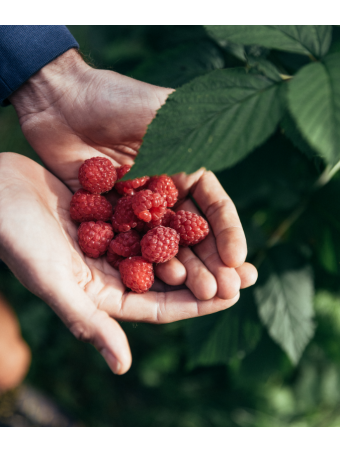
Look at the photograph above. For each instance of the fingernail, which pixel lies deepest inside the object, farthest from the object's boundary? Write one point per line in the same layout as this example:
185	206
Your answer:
111	360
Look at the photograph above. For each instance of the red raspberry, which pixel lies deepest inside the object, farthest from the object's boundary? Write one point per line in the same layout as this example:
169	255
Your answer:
164	221
113	259
126	244
137	274
160	244
94	238
148	206
131	186
165	186
86	206
124	218
97	175
122	170
191	227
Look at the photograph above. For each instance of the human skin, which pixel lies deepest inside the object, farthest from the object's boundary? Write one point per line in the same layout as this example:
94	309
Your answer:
70	112
38	242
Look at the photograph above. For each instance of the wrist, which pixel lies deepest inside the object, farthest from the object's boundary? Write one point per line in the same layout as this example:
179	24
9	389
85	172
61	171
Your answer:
49	84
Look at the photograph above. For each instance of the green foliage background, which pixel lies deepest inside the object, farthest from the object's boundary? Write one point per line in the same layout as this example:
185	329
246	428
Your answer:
263	103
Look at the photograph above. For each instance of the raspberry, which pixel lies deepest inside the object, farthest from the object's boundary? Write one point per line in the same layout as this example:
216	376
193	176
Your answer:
191	227
94	238
113	259
126	244
97	175
86	206
137	274
164	221
160	244
122	170
124	218
131	186
148	206
165	186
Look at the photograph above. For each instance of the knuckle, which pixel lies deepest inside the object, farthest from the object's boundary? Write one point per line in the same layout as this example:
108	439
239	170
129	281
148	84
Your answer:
81	332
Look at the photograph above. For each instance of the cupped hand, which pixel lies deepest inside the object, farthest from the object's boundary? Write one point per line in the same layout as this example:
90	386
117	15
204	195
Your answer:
70	112
38	241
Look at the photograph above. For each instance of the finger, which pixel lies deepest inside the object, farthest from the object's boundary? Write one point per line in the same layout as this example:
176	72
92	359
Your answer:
221	215
199	279
228	281
172	272
160	307
93	325
248	274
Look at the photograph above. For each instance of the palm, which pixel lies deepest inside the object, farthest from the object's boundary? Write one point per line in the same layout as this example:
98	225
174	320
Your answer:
40	245
104	114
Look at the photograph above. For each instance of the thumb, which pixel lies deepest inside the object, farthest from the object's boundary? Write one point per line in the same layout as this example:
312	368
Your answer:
90	324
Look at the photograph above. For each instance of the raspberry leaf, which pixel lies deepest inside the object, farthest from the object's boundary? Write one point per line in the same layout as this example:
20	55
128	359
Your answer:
214	121
305	39
177	66
219	338
284	294
314	101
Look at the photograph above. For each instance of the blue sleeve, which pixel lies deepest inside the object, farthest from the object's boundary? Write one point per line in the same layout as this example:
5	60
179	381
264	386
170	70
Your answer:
24	49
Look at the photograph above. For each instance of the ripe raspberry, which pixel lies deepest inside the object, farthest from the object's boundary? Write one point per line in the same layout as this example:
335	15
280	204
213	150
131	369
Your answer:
113	259
97	175
86	206
126	244
124	218
131	186
122	170
191	227
137	274
165	186
164	221
160	244
94	238
148	206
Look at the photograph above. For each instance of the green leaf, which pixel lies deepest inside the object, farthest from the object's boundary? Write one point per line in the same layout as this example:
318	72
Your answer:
306	39
284	296
218	338
214	121
265	67
291	131
314	101
177	66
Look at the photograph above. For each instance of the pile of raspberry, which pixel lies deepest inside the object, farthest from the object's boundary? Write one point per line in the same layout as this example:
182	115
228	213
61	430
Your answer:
141	230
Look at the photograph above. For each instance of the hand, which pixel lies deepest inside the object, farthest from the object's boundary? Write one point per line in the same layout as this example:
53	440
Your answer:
38	241
70	112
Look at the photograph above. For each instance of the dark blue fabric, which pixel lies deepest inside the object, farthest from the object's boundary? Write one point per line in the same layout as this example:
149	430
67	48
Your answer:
24	49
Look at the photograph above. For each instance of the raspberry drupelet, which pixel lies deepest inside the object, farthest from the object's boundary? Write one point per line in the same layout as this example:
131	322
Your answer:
126	244
160	244
94	238
132	186
86	206
148	205
191	227
113	259
165	186
97	175
124	218
137	274
122	170
164	221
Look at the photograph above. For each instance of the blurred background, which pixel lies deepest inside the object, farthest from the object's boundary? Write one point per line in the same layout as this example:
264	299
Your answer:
168	385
